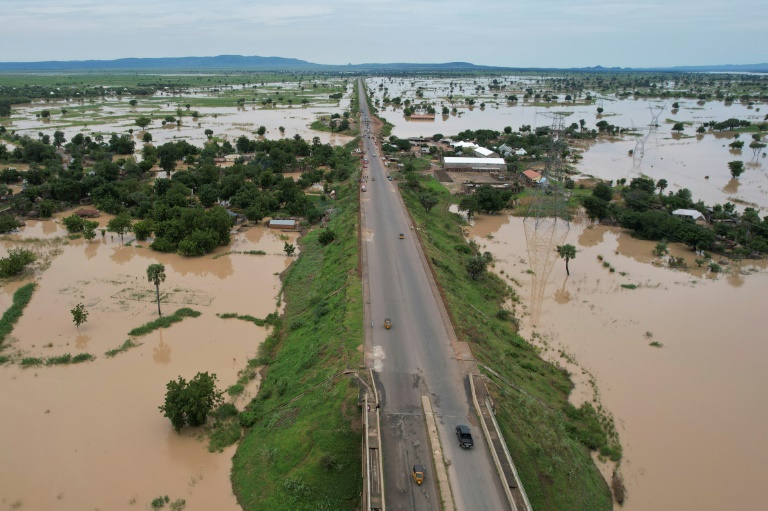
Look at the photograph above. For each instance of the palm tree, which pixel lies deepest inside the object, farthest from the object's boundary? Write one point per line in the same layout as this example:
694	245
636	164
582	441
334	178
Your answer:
156	275
566	252
661	184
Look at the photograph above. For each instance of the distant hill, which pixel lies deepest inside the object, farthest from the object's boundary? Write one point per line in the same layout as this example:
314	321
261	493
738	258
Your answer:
257	63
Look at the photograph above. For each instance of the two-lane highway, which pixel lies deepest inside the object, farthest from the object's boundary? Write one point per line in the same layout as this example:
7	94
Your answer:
414	359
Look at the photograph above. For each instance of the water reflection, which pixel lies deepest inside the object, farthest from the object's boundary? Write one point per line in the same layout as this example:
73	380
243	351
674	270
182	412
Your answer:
91	249
162	352
81	341
563	296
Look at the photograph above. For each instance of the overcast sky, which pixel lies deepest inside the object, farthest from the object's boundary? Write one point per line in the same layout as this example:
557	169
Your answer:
514	33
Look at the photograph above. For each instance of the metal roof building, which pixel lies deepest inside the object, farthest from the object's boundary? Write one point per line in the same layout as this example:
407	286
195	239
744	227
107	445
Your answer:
477	164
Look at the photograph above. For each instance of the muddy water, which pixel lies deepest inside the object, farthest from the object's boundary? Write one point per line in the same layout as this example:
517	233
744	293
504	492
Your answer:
90	436
691	415
699	163
111	116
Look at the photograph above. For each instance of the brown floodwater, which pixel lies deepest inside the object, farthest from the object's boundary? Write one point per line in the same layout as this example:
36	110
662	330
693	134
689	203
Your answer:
110	115
696	162
90	436
691	414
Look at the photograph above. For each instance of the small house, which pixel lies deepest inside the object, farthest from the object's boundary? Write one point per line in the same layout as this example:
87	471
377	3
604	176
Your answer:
693	214
283	224
87	213
532	176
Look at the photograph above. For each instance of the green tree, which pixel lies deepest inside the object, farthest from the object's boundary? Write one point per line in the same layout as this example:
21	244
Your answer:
661	184
119	225
468	203
168	154
678	126
146	137
8	224
476	266
143	122
429	200
73	223
89	229
190	403
58	138
736	167
261	131
289	249
133	102
566	252
156	275
142	229
79	315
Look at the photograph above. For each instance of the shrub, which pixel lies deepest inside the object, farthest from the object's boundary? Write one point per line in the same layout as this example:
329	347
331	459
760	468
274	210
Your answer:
326	237
247	419
31	361
17	260
235	390
225	411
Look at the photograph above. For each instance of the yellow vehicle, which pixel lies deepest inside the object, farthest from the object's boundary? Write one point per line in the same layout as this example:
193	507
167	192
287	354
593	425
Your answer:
418	473
387	324
402	236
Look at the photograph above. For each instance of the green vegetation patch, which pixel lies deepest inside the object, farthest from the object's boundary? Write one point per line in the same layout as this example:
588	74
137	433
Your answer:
128	344
67	359
271	318
164	322
549	440
302	449
21	298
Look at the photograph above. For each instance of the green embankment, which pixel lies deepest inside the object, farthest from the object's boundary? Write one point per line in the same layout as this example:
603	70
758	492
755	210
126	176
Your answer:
303	450
547	437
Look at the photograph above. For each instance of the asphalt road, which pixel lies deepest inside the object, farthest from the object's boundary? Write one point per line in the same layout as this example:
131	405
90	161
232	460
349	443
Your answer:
415	358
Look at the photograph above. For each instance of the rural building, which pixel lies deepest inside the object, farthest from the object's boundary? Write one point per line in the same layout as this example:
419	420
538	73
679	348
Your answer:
285	224
464	145
482	152
474	164
87	213
532	176
422	117
693	214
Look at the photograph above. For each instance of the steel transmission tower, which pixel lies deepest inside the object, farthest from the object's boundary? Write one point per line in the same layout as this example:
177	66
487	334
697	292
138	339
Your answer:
546	220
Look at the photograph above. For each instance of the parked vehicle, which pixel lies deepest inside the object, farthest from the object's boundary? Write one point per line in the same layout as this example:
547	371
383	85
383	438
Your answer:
387	323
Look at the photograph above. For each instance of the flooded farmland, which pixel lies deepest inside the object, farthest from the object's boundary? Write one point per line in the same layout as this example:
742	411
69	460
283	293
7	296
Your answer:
115	115
690	410
90	435
698	162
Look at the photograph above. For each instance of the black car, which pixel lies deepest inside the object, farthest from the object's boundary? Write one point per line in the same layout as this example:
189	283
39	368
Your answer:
464	436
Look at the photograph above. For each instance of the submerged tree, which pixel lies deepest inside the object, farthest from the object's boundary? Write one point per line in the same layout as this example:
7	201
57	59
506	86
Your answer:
189	403
566	252
156	275
79	315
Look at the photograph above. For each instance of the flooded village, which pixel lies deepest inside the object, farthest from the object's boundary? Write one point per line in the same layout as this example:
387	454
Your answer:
671	355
